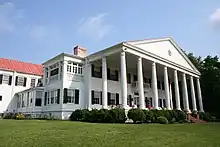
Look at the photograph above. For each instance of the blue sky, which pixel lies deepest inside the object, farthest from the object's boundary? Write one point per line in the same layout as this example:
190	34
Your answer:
35	31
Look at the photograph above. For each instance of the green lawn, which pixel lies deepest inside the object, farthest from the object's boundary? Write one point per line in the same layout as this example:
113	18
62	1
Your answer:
36	133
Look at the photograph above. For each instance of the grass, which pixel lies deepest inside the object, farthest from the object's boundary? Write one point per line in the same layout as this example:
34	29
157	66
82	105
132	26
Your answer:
36	133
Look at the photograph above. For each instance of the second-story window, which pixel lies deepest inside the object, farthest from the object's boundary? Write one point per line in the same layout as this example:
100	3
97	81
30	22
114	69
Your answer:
112	74
96	71
5	79
74	68
33	82
20	81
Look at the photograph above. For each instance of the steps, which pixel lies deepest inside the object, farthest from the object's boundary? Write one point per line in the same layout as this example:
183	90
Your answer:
195	118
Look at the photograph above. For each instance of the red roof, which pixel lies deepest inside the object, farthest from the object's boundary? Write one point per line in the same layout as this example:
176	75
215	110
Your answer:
19	66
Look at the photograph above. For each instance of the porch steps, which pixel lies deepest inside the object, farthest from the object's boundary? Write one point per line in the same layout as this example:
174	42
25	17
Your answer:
195	119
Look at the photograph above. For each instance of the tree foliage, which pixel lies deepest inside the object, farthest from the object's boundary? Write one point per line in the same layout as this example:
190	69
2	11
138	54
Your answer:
210	81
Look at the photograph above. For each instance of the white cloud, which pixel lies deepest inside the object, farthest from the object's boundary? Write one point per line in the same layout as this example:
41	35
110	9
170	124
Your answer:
215	18
95	27
9	17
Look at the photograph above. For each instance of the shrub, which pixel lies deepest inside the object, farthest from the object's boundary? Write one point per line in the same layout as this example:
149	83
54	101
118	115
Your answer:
9	116
76	115
117	115
162	120
94	115
20	116
137	115
85	115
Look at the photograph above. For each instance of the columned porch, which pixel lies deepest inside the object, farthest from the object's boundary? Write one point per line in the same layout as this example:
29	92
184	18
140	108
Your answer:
143	83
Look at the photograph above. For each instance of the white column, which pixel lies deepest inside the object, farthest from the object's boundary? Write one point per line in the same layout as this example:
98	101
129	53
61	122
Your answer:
199	95
193	94
104	83
154	85
177	95
185	93
171	97
140	84
166	85
123	80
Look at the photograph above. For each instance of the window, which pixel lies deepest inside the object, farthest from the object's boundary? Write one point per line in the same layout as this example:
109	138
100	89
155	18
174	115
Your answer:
0	98
158	85
28	96
96	71
22	100
74	68
79	69
129	101
33	82
69	67
38	102
145	80
149	101
160	102
134	77
52	94
96	97
54	72
163	88
129	78
164	103
149	81
48	97
113	98
5	79
112	74
20	81
71	96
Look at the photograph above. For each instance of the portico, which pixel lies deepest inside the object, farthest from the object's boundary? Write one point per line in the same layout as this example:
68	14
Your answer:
145	75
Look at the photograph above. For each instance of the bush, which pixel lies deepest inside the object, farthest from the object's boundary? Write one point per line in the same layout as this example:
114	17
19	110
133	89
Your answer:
117	115
162	120
137	115
85	115
76	115
20	116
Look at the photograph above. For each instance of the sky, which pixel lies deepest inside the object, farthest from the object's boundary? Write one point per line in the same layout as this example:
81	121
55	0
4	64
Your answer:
37	30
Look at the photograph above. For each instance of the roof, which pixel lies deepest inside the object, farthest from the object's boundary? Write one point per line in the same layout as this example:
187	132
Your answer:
22	67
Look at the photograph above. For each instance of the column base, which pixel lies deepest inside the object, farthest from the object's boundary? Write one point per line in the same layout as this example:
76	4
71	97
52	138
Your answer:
201	111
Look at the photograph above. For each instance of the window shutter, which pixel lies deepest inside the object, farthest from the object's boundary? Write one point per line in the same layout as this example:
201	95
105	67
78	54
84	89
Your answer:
10	80
76	96
92	70
92	97
16	81
65	97
109	95
100	72
164	103
101	98
1	76
130	100
45	98
117	98
108	73
58	96
25	81
129	78
116	73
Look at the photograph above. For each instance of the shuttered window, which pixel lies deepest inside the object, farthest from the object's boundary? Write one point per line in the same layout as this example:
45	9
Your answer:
71	96
20	81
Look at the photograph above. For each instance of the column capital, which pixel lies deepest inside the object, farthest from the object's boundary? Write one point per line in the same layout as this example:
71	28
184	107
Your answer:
165	67
122	53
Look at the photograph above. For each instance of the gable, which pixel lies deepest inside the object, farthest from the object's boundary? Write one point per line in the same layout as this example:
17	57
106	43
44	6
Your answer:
165	49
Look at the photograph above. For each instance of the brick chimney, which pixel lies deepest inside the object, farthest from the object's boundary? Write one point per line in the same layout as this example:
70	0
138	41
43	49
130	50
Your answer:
79	51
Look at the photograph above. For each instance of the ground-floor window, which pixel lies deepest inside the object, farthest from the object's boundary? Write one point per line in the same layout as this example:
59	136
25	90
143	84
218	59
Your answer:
129	100
113	98
149	101
51	97
96	97
0	98
71	96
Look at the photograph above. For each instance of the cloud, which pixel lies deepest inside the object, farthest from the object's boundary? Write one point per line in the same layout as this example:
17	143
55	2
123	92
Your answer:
215	18
95	27
9	17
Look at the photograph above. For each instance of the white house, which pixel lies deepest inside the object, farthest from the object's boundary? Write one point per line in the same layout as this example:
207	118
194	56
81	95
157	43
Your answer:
16	76
145	73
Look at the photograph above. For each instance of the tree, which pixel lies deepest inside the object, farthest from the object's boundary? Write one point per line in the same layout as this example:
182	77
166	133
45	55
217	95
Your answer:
210	81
